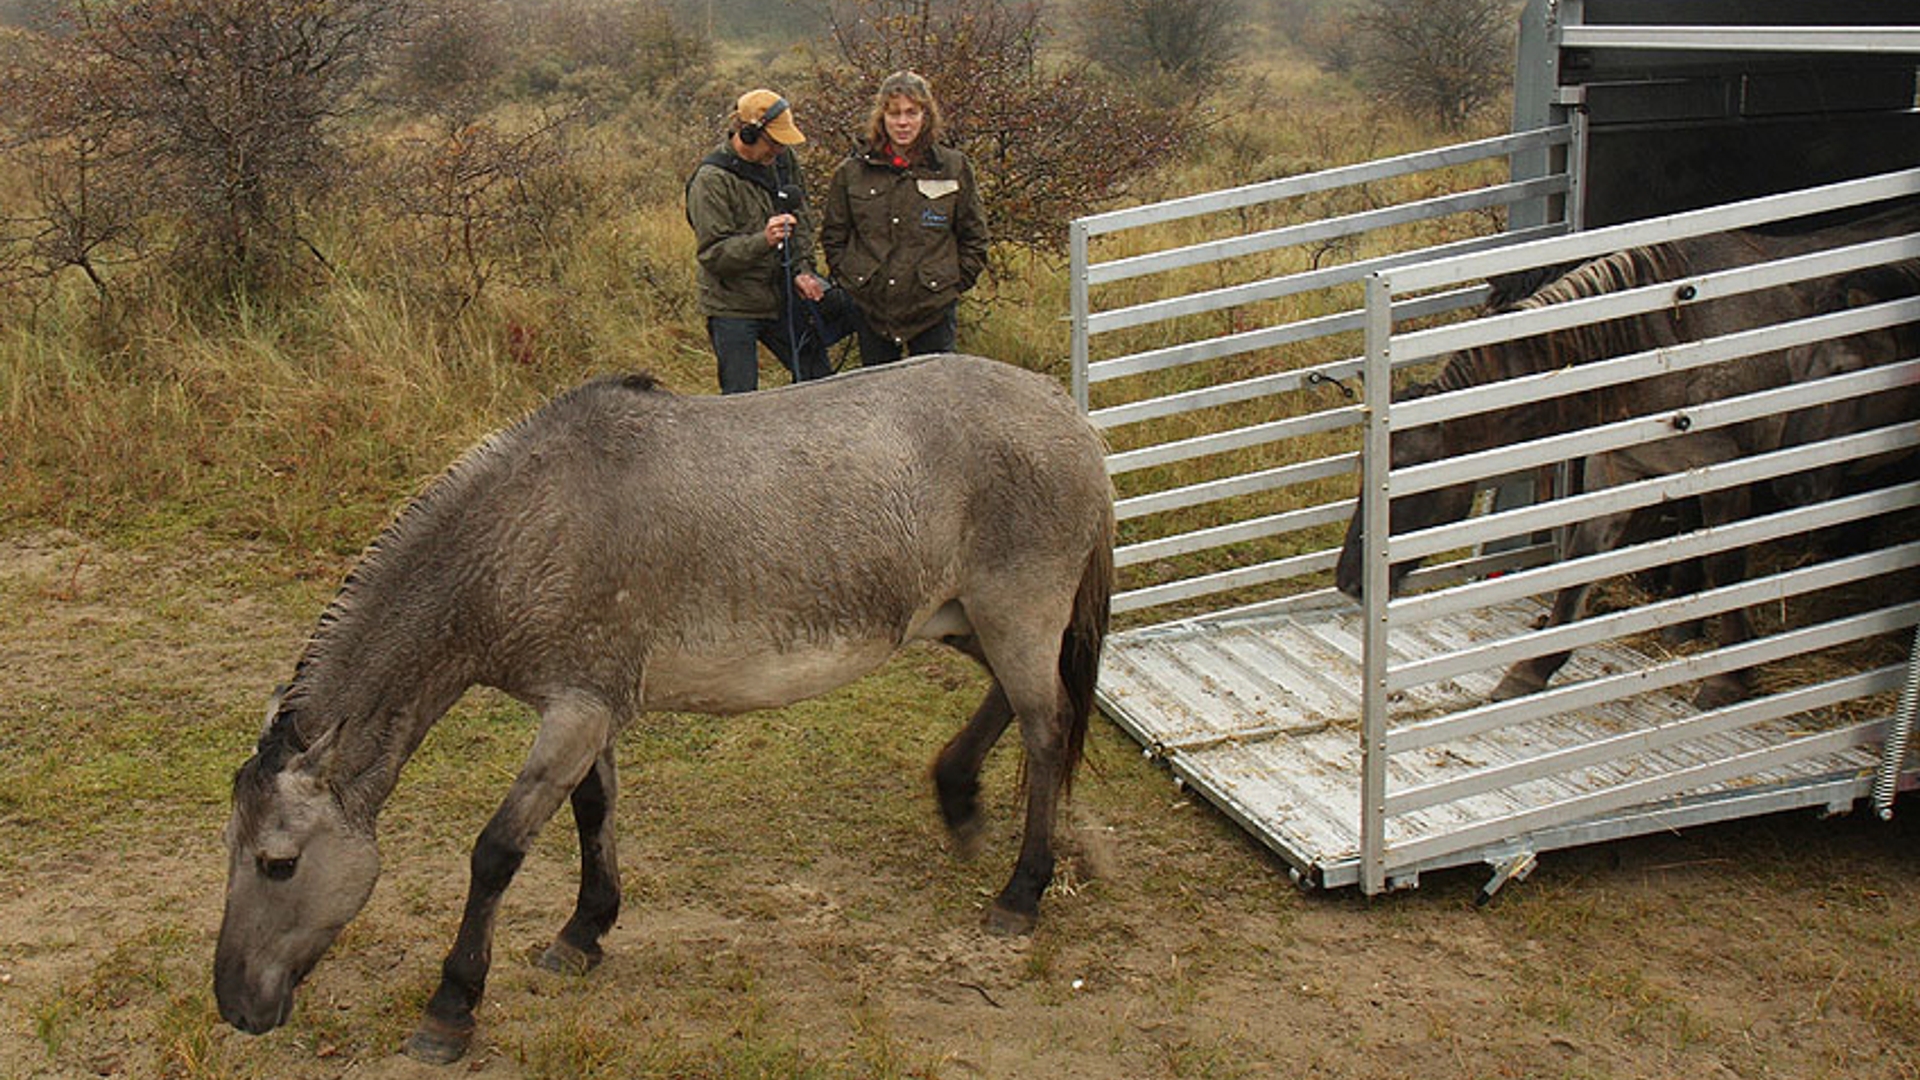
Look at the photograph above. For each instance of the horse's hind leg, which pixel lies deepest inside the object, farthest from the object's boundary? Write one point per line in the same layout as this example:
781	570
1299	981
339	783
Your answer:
573	733
577	949
1024	658
1043	732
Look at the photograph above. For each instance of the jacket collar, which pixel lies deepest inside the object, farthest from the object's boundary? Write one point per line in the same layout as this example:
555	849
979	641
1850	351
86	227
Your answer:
932	163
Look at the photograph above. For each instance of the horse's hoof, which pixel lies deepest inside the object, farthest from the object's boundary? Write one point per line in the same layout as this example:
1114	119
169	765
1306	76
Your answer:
1514	686
1718	693
1006	922
564	959
1682	633
436	1043
967	838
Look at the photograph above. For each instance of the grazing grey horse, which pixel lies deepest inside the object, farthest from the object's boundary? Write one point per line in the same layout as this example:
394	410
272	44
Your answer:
625	550
1672	392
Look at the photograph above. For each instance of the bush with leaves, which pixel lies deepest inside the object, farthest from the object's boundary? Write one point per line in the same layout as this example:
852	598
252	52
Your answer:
453	57
1047	144
601	51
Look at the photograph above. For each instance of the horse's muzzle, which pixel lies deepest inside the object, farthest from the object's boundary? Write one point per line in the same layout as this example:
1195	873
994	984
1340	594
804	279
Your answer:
252	1009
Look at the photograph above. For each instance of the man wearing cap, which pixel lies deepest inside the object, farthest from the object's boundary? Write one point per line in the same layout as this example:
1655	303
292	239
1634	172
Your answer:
747	205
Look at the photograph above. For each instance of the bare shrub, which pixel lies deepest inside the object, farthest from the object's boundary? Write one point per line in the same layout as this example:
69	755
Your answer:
1187	42
1444	60
79	167
220	113
481	198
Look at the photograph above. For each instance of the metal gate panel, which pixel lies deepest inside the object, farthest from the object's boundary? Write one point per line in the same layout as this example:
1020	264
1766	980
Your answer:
1359	742
1390	845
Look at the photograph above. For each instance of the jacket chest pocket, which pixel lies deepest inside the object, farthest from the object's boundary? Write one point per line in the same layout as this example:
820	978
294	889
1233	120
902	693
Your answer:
934	207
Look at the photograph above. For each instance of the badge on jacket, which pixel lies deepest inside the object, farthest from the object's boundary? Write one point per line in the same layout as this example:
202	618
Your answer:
934	189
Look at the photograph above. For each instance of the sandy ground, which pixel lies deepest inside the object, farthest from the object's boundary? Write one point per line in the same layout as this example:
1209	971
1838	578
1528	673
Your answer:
1783	947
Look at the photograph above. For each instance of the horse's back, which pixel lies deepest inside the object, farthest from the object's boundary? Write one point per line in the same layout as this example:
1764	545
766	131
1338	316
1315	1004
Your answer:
754	547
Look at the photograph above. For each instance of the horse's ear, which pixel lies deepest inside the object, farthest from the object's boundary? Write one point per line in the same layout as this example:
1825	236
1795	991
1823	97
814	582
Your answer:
316	759
273	706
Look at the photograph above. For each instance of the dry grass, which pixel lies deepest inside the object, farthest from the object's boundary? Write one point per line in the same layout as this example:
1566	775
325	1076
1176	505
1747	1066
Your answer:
180	494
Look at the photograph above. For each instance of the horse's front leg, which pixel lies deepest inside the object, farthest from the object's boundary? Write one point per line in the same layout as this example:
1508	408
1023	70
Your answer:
574	732
1530	676
1727	568
577	950
956	770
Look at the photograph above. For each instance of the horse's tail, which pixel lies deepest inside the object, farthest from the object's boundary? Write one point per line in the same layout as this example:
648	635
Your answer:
1080	648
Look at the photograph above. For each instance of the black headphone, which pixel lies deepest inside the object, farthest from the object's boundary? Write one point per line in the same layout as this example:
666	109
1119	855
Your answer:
750	132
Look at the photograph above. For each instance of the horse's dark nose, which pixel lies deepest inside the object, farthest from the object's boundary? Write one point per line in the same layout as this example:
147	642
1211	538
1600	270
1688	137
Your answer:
252	1012
257	1018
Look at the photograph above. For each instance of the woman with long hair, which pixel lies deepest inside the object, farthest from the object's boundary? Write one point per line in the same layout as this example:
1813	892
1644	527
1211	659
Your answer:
904	233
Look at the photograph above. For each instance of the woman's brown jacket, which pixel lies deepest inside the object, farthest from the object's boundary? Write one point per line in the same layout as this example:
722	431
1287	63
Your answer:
904	242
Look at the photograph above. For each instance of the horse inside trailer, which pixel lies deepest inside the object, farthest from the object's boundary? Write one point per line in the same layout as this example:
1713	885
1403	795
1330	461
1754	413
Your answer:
1363	740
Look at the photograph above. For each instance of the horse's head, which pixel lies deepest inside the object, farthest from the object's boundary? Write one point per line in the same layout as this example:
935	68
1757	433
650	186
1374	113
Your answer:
1414	446
298	870
1822	359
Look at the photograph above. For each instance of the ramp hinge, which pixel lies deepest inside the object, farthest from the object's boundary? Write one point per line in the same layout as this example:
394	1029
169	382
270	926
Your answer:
1514	867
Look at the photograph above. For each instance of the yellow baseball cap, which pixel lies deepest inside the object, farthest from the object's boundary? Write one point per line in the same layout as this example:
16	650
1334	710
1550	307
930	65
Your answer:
769	112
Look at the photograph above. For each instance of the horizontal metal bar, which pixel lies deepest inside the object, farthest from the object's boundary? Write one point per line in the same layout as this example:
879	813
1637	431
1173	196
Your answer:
1268	337
1418	346
1220	442
1229	487
1206	398
1474	567
1323	180
1664	360
1252	292
1313	232
1578	246
1311	600
1238	532
1705	541
1562	811
1792	39
1559	700
1718	476
1830	791
1603	438
1651	616
1224	581
1703	725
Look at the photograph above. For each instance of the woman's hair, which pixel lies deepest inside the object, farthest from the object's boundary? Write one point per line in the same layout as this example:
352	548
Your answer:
914	88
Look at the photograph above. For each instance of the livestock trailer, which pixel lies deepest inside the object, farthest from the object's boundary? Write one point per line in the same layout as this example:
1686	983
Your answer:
1237	349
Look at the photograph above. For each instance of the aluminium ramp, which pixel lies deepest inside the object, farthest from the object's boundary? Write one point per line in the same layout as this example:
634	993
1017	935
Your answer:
1261	715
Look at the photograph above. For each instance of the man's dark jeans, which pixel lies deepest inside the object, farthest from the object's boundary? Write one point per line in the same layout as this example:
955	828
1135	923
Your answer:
878	349
736	341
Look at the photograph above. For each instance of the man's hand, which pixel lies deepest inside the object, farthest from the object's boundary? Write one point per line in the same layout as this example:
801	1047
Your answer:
810	287
779	227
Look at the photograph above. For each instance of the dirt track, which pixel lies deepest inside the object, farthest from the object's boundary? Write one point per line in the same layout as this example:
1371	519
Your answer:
756	944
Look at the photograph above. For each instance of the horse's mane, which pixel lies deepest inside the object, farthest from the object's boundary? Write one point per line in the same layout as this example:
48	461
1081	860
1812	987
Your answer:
284	736
1619	270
